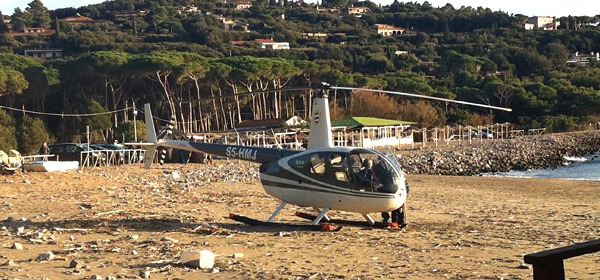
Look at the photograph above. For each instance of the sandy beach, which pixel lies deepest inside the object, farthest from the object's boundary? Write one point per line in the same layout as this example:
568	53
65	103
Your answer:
128	222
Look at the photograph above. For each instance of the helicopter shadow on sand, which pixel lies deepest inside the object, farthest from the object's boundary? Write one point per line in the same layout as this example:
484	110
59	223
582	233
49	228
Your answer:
153	224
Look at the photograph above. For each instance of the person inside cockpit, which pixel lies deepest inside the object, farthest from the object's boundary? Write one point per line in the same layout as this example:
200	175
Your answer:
366	173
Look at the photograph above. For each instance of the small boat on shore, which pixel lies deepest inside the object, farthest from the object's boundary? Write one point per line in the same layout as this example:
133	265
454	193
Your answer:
50	166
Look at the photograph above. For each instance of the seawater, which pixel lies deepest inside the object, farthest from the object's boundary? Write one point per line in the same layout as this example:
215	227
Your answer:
581	168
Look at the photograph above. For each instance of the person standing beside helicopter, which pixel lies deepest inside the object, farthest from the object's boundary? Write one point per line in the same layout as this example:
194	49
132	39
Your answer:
398	216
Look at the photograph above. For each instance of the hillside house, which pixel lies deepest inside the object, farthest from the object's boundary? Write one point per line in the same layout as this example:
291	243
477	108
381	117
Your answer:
188	9
32	31
270	44
233	25
542	23
242	5
528	26
44	53
357	11
77	19
314	35
130	13
386	30
583	59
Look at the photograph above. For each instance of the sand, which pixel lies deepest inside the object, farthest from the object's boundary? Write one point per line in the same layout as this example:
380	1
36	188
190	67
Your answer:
124	221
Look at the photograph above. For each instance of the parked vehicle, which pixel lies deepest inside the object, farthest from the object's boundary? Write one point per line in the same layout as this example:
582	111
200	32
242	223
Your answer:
72	152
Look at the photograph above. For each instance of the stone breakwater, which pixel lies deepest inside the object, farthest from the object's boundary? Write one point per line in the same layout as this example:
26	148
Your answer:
523	153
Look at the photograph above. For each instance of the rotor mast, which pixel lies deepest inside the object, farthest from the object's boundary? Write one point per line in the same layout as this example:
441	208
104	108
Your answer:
320	122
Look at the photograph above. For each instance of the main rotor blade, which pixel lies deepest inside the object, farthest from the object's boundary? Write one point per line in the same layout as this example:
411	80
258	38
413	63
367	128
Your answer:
425	97
248	93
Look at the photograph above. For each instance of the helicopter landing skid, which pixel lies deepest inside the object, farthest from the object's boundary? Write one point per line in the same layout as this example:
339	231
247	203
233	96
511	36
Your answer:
254	222
345	222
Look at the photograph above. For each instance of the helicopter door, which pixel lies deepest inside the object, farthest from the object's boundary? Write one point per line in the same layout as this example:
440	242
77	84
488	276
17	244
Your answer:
330	168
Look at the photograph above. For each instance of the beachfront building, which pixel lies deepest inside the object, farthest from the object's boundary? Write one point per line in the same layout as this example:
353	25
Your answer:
371	132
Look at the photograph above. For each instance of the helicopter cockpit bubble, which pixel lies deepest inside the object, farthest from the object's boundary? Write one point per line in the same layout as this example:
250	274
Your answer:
378	172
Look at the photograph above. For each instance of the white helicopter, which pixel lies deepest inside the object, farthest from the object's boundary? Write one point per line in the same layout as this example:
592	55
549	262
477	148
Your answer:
323	177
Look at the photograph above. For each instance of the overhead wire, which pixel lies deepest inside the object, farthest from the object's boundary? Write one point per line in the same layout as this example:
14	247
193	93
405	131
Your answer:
83	114
62	114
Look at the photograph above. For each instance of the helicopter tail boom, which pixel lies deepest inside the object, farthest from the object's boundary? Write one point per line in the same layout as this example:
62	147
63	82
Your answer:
248	153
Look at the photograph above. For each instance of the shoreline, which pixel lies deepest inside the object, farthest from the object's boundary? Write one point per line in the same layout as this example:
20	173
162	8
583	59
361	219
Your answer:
523	153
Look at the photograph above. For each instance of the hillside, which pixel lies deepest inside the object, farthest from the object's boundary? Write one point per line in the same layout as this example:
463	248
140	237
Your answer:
181	55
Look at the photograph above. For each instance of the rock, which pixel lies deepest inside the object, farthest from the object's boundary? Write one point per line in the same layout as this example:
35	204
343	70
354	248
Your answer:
198	258
9	263
145	274
10	220
214	270
48	256
96	277
523	266
169	239
17	246
133	236
238	255
74	264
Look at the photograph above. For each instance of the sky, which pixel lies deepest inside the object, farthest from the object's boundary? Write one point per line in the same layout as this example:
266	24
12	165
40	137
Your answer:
526	7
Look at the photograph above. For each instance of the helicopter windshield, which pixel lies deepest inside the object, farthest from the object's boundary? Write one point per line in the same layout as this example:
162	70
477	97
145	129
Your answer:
375	171
359	169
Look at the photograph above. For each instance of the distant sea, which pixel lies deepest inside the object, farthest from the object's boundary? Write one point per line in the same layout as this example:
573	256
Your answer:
578	168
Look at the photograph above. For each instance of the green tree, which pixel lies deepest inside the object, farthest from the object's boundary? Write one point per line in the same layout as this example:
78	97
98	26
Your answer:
8	139
3	25
531	63
40	16
557	53
126	130
31	134
19	20
11	82
98	123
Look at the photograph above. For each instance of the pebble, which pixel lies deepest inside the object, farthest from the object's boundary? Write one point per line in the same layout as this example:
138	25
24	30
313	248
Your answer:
17	246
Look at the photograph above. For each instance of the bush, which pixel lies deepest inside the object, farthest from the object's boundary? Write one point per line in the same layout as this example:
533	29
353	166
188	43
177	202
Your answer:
31	134
126	131
8	139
